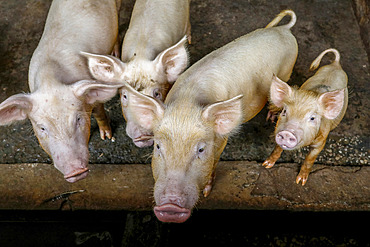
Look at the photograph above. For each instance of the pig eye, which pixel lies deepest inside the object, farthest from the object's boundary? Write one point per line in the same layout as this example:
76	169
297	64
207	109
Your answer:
78	120
158	147
201	148
157	94
283	113
43	130
312	118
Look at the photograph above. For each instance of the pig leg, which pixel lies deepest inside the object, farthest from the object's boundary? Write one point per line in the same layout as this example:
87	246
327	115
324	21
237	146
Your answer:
274	156
188	32
207	189
309	161
103	121
116	48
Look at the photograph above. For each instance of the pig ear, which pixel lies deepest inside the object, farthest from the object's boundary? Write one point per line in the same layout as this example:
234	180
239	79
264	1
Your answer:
144	109
93	92
104	68
15	108
226	115
279	90
332	102
173	60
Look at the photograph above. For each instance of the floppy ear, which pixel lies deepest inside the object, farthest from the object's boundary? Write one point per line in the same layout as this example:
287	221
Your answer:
279	91
15	108
104	67
173	60
94	92
226	115
144	109
332	102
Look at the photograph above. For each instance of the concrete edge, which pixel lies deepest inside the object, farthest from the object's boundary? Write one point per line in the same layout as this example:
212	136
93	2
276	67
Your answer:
239	185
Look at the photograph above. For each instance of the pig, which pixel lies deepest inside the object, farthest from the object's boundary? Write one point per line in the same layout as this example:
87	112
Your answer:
206	105
62	93
153	56
309	113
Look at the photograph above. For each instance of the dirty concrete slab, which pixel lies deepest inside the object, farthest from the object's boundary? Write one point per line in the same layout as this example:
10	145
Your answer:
238	185
320	25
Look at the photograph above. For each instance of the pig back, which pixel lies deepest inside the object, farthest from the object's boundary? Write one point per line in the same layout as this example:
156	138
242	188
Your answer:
243	66
155	25
74	26
329	78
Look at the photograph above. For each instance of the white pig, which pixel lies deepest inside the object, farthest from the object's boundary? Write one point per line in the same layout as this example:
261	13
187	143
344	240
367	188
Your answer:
310	112
208	102
63	94
153	56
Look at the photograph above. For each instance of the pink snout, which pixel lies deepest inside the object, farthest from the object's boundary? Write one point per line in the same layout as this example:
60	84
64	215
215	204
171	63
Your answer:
286	139
172	213
77	174
144	141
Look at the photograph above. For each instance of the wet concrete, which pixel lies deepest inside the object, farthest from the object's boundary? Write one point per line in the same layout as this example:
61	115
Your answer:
320	25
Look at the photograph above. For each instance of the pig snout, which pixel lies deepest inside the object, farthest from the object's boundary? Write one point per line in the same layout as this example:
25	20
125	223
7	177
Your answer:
141	137
286	139
72	170
171	211
77	174
143	141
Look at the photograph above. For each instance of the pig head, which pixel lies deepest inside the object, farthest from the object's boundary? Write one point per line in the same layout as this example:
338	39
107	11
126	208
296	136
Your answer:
305	113
60	116
153	78
183	164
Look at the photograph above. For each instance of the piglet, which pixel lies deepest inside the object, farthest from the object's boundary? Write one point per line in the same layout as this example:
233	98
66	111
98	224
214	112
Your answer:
153	56
63	94
310	112
206	104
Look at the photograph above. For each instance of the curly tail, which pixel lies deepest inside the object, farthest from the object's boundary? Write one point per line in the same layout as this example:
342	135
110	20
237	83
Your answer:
315	64
280	16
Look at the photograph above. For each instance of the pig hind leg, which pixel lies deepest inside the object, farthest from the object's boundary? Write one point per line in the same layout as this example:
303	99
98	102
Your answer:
103	121
188	32
116	48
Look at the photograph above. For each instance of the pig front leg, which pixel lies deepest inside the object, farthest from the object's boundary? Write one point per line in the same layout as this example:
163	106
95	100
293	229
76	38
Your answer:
274	156
309	161
207	189
103	121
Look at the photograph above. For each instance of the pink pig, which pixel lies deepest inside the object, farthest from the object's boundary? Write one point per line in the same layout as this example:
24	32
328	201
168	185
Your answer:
63	94
310	112
206	104
153	56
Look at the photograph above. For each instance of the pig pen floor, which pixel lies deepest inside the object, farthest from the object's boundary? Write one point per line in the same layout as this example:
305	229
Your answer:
339	187
204	228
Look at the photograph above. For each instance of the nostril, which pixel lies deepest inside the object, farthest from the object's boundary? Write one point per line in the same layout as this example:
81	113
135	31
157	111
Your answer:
292	139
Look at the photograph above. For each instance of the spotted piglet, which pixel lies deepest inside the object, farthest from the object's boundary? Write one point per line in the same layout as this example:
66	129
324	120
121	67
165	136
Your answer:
309	113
